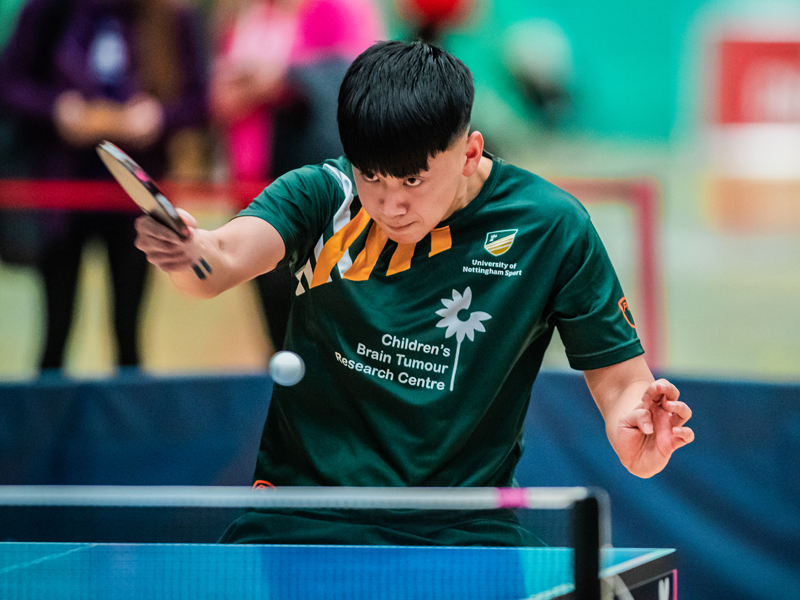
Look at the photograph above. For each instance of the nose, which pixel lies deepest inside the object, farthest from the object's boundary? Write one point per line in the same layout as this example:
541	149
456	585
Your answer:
393	204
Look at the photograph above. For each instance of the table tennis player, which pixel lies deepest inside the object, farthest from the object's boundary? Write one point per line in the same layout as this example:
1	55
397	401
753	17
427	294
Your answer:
431	275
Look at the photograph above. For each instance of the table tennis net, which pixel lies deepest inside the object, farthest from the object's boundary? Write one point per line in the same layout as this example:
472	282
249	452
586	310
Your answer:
571	523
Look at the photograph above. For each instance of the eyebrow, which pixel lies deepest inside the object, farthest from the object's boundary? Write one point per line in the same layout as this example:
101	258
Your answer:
370	174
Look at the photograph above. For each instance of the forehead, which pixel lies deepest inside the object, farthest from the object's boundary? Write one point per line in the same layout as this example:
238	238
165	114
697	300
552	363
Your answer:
437	163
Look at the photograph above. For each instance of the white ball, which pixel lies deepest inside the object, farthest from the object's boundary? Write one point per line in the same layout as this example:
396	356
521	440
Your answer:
286	368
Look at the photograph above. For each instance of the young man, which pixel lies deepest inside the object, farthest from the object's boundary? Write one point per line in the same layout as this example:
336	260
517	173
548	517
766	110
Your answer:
430	278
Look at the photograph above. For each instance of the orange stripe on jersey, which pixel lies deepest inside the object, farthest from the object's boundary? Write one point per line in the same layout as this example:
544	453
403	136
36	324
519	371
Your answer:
401	259
440	240
334	248
366	259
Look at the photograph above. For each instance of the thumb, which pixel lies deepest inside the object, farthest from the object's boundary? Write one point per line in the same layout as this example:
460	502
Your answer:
187	218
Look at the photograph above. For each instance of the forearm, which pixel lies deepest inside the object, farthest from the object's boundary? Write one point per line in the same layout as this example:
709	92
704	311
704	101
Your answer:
219	272
206	263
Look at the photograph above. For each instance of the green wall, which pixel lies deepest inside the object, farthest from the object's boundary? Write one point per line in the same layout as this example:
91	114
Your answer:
631	57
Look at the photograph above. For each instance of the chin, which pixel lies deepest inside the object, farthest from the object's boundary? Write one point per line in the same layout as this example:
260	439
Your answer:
411	236
408	235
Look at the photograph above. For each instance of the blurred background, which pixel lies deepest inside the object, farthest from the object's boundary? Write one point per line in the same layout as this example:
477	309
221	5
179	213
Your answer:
623	90
676	123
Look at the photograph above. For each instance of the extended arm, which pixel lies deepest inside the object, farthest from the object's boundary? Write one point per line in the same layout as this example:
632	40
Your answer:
645	421
236	252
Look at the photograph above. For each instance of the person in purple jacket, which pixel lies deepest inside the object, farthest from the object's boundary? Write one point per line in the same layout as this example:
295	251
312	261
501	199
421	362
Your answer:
73	73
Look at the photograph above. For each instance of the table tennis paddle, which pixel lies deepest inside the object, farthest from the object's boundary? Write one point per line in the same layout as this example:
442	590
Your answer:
144	192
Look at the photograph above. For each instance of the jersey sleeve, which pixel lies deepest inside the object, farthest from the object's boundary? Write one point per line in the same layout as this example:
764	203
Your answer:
589	307
299	205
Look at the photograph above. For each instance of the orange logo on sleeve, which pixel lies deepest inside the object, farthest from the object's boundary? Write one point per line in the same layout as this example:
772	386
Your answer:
626	311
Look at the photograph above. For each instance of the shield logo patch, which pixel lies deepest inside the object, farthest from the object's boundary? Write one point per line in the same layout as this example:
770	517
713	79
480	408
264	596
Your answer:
498	242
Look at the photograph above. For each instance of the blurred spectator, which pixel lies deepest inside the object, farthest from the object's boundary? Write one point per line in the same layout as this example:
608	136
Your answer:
275	82
538	55
9	160
18	228
433	18
75	72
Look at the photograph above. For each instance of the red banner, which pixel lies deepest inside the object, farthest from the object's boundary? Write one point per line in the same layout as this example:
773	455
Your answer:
758	82
108	195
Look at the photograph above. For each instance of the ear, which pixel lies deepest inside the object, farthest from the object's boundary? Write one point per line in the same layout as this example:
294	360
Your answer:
474	152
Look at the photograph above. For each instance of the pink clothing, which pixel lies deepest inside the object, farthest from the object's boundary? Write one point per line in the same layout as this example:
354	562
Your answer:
336	27
262	35
276	39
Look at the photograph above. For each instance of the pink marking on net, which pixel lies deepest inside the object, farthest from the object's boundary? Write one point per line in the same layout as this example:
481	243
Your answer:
511	498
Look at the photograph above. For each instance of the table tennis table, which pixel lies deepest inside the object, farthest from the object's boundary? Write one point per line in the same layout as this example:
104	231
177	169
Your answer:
152	571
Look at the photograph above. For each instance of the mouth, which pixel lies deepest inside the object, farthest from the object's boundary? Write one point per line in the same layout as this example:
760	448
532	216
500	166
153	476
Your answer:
407	233
397	228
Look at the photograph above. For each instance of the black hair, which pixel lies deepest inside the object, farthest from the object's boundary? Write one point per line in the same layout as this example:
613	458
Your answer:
401	103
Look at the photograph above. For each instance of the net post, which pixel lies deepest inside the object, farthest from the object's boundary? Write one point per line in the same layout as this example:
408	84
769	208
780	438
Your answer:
590	531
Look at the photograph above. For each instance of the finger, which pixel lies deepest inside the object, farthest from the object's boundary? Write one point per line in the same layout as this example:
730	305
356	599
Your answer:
682	436
641	419
659	390
155	246
148	227
187	217
680	411
170	264
171	260
168	257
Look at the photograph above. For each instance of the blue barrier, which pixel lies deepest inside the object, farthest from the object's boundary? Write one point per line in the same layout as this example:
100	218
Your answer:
730	502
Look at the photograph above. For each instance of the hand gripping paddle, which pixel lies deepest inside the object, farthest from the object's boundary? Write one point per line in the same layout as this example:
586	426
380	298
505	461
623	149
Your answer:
144	192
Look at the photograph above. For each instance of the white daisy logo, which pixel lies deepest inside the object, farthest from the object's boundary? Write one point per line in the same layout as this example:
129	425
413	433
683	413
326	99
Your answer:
456	326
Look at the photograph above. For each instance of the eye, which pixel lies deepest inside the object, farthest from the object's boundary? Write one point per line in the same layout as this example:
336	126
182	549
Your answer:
369	177
413	181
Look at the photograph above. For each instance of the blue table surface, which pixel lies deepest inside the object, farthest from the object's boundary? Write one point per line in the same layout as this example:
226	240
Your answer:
138	571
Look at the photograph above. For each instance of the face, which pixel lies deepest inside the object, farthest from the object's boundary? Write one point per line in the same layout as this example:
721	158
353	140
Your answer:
408	209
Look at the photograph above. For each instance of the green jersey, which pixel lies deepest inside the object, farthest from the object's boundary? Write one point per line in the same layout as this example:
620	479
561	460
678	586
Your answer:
420	357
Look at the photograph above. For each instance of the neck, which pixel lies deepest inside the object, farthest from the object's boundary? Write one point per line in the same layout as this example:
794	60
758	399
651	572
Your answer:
472	186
